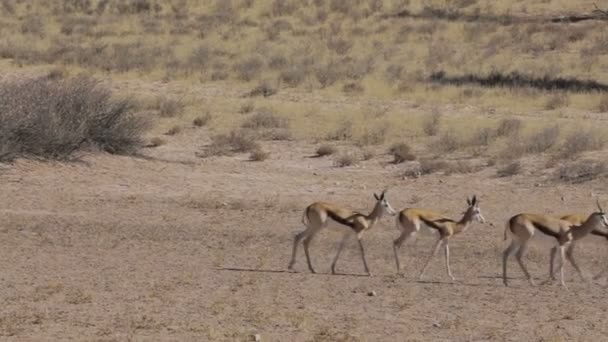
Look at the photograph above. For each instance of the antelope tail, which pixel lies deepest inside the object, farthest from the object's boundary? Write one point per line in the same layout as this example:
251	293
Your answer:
305	217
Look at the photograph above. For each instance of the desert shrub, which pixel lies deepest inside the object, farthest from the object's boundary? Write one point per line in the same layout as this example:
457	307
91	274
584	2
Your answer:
461	166
483	137
264	88
401	152
249	69
508	127
374	136
51	118
581	171
579	142
294	75
265	119
430	126
237	141
509	169
352	87
339	45
169	107
199	58
367	154
556	101
258	155
246	108
327	74
156	141
32	24
428	166
325	150
543	140
449	141
343	132
347	158
202	120
174	130
603	104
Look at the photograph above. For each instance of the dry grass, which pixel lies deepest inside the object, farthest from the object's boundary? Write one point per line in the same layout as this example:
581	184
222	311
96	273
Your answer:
325	150
174	130
258	155
202	120
510	169
237	141
509	127
581	171
401	152
346	158
431	125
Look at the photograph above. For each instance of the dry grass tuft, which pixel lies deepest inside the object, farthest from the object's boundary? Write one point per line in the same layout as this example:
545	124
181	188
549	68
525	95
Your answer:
509	127
556	101
169	107
202	120
347	158
343	132
325	150
156	141
258	155
509	170
431	125
449	141
247	107
603	104
265	119
174	130
401	152
581	171
238	141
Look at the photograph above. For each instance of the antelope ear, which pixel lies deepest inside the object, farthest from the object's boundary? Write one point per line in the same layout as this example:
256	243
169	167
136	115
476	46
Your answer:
376	197
597	201
383	193
474	200
468	201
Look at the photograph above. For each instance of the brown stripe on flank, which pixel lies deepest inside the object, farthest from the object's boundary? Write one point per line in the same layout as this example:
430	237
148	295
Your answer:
545	230
340	219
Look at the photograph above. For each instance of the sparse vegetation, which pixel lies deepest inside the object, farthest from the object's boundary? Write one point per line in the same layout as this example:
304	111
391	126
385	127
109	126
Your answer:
169	107
509	127
265	119
581	171
510	169
431	124
175	129
237	141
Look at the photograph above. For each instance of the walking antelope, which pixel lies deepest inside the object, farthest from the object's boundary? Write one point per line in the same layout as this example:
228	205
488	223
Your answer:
318	215
409	220
523	226
576	220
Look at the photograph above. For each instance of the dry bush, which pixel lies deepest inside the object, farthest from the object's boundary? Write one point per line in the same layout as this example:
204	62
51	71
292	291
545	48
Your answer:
174	130
367	154
294	75
509	127
347	158
542	141
202	120
556	101
237	141
199	58
449	141
401	152
603	104
483	137
247	107
327	74
581	171
579	142
258	155
430	126
353	87
339	45
32	24
264	88
169	107
325	150
156	141
265	119
428	166
509	169
249	69
343	132
374	136
52	118
461	166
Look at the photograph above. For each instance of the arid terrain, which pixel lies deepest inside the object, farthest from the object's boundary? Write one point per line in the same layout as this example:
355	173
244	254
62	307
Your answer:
160	202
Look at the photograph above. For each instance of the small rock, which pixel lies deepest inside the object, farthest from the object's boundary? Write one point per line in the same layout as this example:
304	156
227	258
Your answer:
372	293
437	325
256	337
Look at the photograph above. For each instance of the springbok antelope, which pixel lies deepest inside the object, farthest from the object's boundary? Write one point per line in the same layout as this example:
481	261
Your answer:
409	220
523	226
318	215
576	221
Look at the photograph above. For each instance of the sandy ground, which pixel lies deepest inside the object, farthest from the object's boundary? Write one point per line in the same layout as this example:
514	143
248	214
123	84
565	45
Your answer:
179	248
